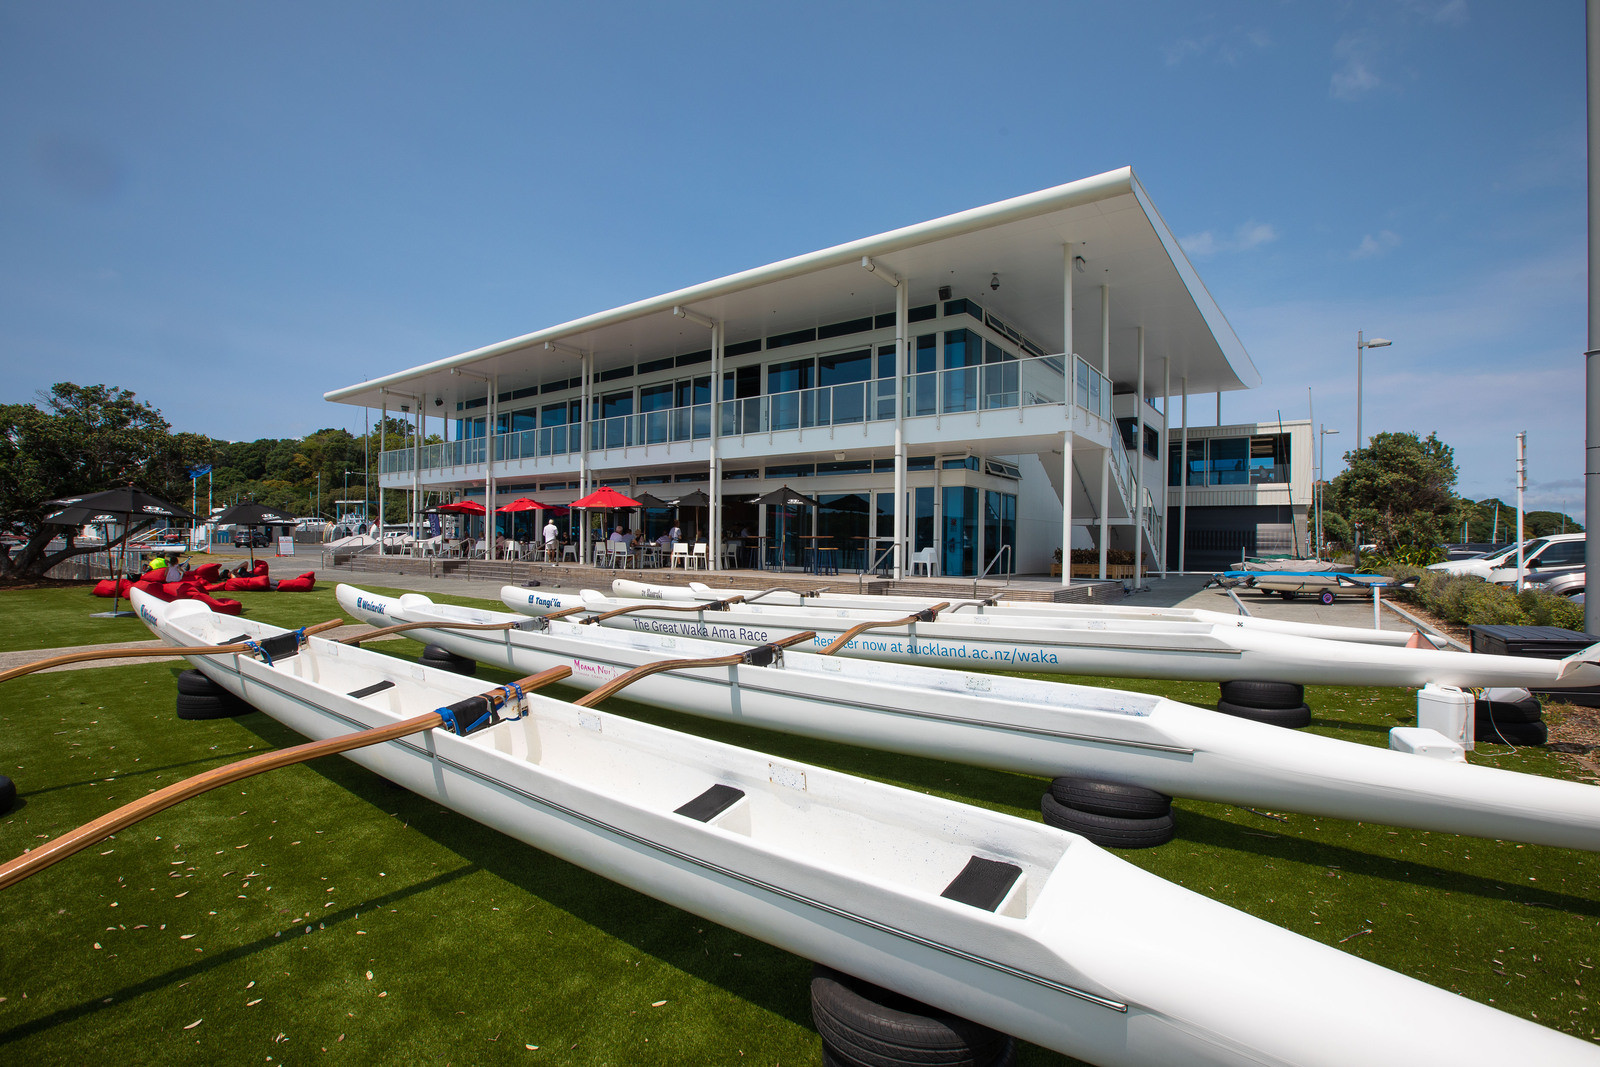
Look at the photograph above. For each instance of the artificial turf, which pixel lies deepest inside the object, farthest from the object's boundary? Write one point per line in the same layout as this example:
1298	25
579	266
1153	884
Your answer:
304	881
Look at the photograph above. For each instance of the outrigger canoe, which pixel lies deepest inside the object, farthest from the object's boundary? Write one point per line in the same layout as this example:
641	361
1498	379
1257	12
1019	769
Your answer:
1035	612
1011	923
1049	729
1116	648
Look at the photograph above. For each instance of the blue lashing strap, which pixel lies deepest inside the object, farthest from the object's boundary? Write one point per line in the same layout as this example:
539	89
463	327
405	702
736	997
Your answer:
477	711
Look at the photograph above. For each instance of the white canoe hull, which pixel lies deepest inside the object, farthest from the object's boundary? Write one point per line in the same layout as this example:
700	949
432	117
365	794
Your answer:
1035	613
1032	727
1087	955
1193	651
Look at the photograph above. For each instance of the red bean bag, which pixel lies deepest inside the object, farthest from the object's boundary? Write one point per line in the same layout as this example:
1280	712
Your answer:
108	587
155	576
214	587
260	583
221	605
303	584
259	572
211	572
155	589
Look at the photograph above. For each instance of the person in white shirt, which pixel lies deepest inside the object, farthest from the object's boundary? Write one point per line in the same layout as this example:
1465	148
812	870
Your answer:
551	535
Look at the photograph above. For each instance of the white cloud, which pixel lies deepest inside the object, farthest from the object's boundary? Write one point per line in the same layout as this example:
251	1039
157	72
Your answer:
1376	246
1230	46
1353	76
1247	236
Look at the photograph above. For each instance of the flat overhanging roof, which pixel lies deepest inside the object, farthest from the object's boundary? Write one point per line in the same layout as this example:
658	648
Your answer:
1108	219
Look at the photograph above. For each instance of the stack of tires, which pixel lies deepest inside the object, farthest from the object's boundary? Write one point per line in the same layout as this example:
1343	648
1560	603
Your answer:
8	794
1510	717
1111	814
445	660
1274	703
863	1025
201	698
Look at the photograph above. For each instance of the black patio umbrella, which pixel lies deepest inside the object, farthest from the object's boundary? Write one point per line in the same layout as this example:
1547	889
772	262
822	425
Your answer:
696	499
128	505
648	501
253	515
785	498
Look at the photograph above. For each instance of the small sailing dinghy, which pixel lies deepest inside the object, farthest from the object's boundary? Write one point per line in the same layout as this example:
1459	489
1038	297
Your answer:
1016	925
1035	612
1030	727
1197	651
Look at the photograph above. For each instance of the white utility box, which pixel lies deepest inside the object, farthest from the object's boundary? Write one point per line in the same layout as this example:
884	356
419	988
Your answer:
1424	742
1449	711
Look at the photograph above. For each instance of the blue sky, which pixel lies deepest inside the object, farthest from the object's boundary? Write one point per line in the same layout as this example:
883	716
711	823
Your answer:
230	208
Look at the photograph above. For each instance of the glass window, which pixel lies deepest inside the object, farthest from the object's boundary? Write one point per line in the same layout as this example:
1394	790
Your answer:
959	531
1197	462
1229	460
784	380
1562	554
1269	458
1152	442
999	530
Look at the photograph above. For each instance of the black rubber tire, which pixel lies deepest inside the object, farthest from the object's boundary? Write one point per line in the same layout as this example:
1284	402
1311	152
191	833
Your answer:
1520	734
863	1025
198	684
1528	709
1007	1056
1254	694
445	660
8	794
1287	594
1327	596
1288	718
1110	798
206	706
1108	831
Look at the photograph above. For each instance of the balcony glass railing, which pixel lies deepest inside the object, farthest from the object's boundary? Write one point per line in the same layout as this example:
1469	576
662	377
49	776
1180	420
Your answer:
1012	384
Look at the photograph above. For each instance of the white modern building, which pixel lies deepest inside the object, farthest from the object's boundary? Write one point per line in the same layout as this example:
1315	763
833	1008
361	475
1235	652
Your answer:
1249	493
953	385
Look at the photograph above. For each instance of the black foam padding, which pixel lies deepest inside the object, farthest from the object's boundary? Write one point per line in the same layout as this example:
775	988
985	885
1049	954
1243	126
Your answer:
713	802
983	883
376	687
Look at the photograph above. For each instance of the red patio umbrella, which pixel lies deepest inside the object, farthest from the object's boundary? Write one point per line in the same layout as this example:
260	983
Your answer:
605	497
464	507
522	503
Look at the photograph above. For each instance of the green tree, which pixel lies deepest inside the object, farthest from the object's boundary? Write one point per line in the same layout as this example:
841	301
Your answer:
77	439
1399	490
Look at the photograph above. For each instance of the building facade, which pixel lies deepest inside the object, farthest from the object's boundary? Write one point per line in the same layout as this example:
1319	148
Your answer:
948	393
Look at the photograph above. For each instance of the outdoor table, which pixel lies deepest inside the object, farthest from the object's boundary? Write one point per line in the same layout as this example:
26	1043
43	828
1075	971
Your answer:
812	552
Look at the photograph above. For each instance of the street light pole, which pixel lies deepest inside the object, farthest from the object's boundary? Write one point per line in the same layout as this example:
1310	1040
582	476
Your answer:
1322	482
1361	345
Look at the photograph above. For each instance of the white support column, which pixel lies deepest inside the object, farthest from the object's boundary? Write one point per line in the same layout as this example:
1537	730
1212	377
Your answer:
1105	462
902	317
383	440
488	465
1138	472
902	361
1066	497
1166	453
585	365
1183	483
1067	270
714	512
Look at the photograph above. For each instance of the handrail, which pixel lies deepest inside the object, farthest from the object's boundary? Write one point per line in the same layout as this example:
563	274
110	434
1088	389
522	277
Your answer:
1005	551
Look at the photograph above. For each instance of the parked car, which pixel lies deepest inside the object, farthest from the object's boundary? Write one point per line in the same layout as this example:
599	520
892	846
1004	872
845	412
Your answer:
1543	558
1568	585
252	536
1472	549
1479	566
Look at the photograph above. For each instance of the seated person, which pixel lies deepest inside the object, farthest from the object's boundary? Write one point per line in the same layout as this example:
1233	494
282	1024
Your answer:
618	536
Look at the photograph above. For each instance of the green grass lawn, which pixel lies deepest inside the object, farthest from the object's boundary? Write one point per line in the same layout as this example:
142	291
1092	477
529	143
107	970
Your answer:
294	886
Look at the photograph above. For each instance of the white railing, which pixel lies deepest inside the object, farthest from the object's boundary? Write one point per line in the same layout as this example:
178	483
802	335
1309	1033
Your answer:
1012	384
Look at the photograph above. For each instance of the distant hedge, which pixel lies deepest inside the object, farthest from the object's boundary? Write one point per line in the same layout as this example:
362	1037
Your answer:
1465	601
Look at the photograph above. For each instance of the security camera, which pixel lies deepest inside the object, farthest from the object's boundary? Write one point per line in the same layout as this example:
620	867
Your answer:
438	401
994	282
